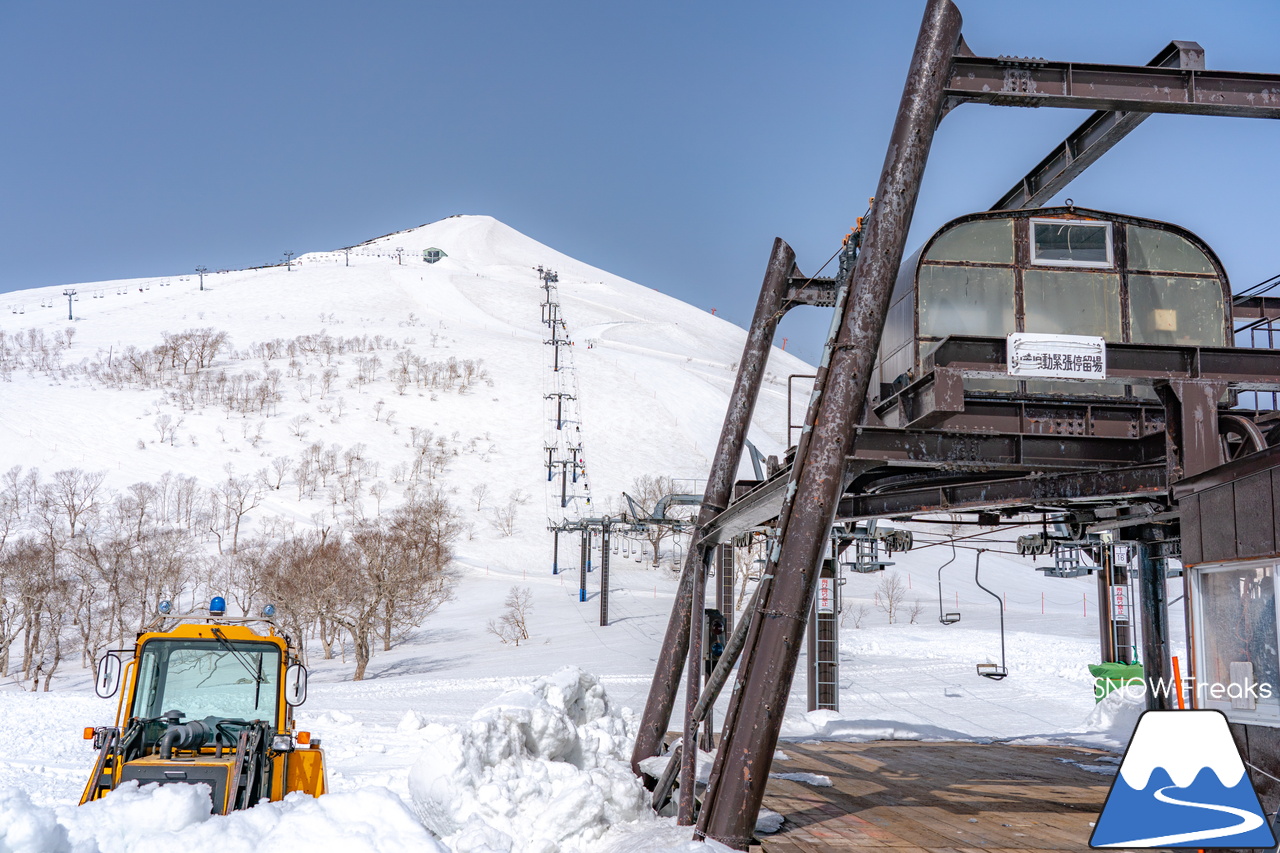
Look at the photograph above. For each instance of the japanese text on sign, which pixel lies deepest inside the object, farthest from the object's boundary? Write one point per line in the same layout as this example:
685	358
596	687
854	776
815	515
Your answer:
1057	356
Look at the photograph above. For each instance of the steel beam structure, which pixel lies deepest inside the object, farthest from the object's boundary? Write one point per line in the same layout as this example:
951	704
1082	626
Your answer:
1095	137
885	452
741	768
1143	483
1256	308
719	489
1027	82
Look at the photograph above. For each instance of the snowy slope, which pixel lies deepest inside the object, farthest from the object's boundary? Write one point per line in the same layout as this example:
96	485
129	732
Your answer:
650	378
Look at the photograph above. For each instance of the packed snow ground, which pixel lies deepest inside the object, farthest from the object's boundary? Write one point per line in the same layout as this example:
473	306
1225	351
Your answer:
435	739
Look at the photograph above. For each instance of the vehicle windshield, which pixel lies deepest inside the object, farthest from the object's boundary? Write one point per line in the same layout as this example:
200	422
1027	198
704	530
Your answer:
208	678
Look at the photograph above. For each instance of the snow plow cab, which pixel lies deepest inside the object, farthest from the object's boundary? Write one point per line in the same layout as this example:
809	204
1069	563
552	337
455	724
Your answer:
208	701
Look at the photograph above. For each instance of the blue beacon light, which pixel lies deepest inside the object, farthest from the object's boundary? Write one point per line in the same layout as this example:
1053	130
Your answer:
218	606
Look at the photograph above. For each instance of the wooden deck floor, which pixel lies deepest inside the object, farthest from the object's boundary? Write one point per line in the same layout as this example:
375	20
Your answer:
936	797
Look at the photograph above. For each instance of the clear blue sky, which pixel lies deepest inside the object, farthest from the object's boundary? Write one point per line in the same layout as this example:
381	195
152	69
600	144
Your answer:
667	142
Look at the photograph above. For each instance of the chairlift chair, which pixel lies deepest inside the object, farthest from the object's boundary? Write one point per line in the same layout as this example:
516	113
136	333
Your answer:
946	618
990	670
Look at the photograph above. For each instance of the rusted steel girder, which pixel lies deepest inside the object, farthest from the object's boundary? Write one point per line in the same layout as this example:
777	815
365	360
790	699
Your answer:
1242	368
1191	426
1027	82
993	453
1147	482
724	468
1256	308
741	768
1093	138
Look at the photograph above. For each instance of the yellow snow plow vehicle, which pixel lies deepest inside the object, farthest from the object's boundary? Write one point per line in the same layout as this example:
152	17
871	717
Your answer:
208	701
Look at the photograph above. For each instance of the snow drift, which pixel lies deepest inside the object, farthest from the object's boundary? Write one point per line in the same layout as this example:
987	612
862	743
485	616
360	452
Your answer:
163	818
541	769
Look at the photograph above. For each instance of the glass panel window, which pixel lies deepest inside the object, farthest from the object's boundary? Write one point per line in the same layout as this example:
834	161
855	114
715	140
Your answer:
1235	629
1151	249
205	678
1067	302
1061	242
966	301
1165	309
986	241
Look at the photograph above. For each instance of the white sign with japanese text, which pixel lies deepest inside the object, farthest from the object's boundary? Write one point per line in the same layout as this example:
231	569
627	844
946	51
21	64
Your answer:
1057	356
826	595
1120	602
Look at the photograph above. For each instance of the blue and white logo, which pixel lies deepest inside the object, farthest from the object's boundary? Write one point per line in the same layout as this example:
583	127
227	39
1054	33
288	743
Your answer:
1182	784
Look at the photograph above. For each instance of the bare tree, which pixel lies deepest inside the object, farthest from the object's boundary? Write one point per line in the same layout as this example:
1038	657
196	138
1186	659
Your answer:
231	501
504	518
856	615
73	495
513	625
890	593
914	611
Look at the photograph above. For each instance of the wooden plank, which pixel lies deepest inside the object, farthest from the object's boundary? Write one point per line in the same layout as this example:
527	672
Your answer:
904	796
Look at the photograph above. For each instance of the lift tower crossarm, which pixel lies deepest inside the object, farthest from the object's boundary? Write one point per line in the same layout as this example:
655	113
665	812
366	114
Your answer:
1093	138
1025	82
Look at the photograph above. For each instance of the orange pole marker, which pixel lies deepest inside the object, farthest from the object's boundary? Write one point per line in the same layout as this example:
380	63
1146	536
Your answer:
1177	682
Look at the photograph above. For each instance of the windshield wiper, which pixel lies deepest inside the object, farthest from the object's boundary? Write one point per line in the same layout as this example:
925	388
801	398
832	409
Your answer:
258	677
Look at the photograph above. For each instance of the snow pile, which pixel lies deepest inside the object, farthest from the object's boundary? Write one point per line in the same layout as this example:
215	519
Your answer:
1116	716
830	726
161	818
541	769
815	779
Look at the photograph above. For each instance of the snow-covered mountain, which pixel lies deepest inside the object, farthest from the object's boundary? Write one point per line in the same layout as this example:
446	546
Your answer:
651	374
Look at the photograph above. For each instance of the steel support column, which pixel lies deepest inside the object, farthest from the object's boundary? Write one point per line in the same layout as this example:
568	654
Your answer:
582	566
1191	425
724	583
724	470
741	769
604	575
1153	596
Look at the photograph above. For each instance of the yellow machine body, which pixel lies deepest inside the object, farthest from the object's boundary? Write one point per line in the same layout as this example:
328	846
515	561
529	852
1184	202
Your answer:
240	737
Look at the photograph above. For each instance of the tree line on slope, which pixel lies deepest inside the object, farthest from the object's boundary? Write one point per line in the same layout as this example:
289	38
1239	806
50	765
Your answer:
82	567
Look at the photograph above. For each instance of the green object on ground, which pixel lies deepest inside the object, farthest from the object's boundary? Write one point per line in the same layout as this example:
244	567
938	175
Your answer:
1112	676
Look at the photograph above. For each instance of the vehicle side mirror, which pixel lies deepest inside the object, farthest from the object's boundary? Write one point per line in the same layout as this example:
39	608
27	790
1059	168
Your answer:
295	684
107	681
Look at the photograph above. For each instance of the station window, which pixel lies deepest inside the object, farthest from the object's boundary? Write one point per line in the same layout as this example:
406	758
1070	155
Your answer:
1238	666
1152	249
1176	310
1067	243
1072	302
988	241
966	301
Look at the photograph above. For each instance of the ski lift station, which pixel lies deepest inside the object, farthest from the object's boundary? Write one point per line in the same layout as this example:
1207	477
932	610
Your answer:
1090	372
